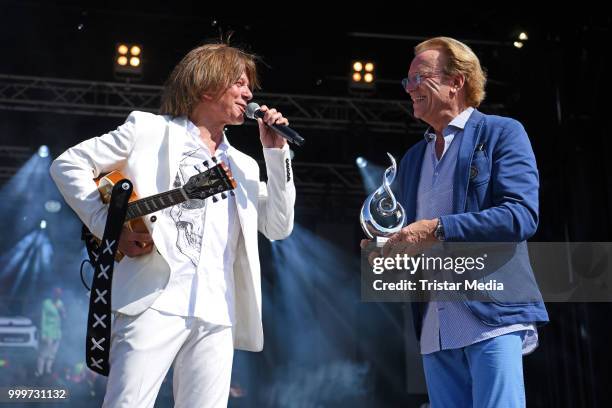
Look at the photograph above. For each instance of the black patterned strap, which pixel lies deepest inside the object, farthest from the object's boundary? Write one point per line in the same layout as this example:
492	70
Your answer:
102	257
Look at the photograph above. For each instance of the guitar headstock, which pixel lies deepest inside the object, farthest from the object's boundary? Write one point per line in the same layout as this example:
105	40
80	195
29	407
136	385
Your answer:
213	181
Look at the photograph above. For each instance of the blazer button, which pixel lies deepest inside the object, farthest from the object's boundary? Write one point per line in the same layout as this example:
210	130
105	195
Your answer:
473	172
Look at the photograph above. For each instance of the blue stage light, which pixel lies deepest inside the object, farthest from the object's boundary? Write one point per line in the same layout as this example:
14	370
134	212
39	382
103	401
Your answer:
43	151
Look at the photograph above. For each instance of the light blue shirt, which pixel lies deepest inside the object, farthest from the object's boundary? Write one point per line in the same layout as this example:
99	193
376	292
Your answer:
450	324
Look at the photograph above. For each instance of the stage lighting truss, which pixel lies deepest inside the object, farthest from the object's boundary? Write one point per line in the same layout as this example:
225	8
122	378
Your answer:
11	159
95	98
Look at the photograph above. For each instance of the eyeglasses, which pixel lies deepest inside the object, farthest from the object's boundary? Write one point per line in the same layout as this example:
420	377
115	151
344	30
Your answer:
417	79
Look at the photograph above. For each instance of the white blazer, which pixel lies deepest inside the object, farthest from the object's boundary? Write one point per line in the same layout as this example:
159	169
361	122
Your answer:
147	149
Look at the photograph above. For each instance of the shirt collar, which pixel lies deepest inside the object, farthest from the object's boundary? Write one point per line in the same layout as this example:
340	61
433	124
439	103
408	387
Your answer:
193	130
458	122
462	118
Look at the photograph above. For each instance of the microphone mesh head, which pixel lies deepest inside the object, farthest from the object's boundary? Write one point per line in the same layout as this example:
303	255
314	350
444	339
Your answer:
251	109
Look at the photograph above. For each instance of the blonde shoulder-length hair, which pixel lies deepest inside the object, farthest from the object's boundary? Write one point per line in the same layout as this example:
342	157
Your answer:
210	68
460	59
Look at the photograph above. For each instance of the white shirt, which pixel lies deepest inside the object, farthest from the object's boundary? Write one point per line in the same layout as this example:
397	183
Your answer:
201	245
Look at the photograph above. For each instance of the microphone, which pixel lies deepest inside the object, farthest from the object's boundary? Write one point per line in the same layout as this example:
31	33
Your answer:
253	111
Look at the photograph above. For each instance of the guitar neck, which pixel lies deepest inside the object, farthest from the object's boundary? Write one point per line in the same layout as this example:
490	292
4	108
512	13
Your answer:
148	205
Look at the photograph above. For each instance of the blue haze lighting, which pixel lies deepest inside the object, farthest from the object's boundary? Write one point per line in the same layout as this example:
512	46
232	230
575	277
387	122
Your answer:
370	173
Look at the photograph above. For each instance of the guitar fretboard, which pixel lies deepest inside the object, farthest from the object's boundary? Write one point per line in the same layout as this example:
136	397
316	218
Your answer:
148	205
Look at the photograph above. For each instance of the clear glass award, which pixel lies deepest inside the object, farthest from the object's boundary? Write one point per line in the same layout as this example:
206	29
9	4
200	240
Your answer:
381	214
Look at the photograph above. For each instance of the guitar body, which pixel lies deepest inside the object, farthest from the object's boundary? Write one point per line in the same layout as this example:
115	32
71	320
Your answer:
105	187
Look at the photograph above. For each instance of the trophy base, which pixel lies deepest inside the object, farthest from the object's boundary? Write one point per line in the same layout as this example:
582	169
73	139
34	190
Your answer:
380	241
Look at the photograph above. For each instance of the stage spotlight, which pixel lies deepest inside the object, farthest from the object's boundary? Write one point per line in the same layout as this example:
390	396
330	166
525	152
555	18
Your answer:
361	162
53	206
26	262
128	61
523	36
362	78
43	151
518	44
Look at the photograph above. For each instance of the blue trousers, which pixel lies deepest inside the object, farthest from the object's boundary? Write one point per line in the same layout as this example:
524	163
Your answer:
487	374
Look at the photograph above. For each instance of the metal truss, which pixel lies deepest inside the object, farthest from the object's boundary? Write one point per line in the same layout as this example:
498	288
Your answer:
11	157
6	172
67	96
15	152
324	186
76	97
327	178
318	184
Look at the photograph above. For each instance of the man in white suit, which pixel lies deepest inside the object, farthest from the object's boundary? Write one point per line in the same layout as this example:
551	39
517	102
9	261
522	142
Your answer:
189	292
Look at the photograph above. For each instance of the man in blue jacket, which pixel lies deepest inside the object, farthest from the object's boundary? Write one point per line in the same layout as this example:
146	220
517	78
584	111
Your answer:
472	179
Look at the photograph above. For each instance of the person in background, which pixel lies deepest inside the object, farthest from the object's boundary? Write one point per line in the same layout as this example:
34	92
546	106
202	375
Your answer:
53	313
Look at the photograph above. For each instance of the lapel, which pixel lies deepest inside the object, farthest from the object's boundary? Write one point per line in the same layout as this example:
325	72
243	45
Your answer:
175	140
469	140
238	168
172	148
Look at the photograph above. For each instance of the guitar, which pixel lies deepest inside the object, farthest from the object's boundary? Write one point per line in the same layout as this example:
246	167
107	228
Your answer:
216	180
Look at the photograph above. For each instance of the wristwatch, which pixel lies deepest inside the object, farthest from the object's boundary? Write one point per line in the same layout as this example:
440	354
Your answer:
439	231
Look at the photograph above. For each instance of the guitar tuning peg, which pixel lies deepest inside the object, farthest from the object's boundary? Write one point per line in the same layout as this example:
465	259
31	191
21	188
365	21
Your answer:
215	199
223	196
232	193
214	159
205	163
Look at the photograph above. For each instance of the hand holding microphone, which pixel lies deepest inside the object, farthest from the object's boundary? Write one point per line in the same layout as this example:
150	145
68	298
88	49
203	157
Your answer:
275	122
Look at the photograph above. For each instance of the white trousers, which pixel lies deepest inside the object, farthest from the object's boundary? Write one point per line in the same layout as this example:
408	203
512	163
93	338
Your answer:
144	347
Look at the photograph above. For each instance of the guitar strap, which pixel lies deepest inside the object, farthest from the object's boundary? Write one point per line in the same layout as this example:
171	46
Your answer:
102	258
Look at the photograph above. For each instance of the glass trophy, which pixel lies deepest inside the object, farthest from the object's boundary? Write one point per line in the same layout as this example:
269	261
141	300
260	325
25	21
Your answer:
381	214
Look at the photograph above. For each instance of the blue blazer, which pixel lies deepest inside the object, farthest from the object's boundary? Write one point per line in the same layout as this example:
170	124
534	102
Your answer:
495	200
